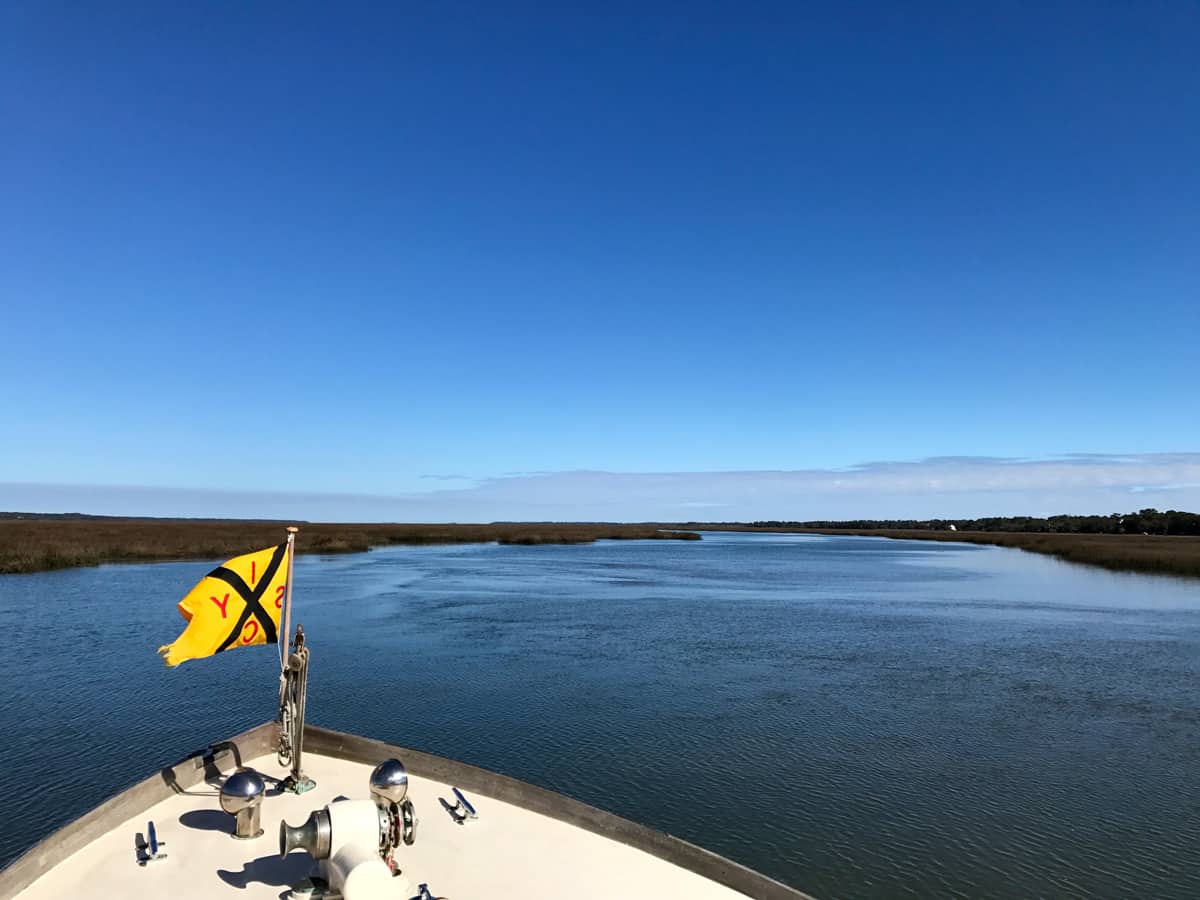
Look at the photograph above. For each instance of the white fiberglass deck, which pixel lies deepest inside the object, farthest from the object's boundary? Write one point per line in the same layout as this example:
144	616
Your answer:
507	852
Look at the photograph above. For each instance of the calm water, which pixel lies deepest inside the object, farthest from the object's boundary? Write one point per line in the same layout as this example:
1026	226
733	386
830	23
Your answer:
856	717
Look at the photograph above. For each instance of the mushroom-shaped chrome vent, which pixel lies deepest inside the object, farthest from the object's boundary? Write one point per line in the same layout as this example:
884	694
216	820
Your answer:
241	797
389	782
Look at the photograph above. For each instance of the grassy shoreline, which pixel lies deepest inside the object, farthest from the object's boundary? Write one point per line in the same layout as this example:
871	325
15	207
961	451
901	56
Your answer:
43	544
1151	554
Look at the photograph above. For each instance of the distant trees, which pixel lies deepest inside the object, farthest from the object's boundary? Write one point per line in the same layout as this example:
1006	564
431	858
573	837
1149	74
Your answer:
1144	521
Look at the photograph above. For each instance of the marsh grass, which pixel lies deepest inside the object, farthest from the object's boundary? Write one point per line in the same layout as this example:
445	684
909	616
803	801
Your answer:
36	544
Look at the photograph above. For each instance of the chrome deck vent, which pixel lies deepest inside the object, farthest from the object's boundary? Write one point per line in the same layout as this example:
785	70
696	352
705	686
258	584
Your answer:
389	782
241	797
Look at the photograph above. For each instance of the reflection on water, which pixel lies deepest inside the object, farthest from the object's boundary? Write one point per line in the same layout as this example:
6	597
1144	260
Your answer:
854	716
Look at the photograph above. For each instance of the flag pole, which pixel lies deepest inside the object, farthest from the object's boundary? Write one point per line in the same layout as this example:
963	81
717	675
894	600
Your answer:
293	687
286	636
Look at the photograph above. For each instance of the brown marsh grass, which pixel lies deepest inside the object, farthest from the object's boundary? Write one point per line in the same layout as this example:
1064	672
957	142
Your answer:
34	545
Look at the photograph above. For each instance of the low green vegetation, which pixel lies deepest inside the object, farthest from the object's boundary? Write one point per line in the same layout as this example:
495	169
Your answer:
39	543
1144	521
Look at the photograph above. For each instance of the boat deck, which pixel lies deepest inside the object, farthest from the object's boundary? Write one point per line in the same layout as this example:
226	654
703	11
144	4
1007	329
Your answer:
557	849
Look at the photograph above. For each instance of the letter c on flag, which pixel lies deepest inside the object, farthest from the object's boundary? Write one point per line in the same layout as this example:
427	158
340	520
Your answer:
252	625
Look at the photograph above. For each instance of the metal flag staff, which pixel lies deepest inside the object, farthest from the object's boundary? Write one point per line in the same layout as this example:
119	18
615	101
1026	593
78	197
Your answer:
293	689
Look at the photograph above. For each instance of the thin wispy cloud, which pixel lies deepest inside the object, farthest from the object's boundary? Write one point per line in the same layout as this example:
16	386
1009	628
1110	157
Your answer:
936	487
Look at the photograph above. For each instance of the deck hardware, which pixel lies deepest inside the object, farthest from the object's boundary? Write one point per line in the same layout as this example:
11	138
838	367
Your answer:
389	782
397	820
466	804
241	797
408	815
397	825
344	838
313	888
148	852
458	817
461	809
314	837
293	697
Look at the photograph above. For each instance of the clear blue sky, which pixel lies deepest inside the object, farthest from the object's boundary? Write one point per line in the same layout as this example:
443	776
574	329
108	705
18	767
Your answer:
293	249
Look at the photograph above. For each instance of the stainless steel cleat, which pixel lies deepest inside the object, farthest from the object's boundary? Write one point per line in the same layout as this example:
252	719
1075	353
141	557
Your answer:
149	851
461	809
465	804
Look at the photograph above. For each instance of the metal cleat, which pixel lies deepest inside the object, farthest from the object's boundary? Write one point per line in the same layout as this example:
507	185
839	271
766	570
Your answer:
461	810
465	804
148	852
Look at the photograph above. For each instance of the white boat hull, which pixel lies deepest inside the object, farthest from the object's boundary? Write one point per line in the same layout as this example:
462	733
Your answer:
526	843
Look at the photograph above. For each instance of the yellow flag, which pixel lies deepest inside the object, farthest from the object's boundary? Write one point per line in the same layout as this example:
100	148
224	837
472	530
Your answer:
234	605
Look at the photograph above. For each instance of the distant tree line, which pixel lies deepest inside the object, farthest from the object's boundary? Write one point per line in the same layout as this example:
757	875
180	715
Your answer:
1145	521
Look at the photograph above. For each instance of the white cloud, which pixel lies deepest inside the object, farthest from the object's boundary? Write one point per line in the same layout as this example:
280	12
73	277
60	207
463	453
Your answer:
941	486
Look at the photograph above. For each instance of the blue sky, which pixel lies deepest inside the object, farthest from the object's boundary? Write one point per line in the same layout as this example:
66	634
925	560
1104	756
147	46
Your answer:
413	253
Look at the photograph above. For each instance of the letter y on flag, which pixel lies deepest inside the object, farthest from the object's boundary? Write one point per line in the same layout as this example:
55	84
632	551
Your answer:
235	605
